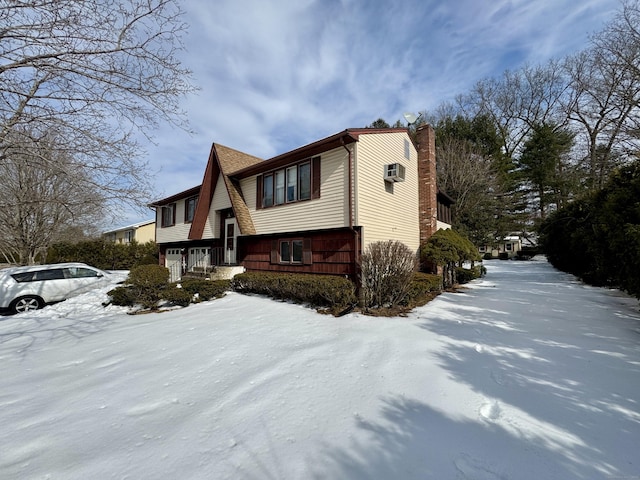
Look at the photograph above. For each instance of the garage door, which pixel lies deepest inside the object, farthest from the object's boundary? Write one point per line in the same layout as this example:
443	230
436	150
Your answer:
173	261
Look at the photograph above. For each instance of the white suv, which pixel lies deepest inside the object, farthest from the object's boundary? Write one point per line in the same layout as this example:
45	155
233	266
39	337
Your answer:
32	287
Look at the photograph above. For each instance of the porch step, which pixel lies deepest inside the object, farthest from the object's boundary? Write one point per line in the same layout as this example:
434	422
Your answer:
226	272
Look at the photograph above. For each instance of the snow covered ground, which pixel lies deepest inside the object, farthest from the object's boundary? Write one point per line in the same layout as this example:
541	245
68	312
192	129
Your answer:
527	374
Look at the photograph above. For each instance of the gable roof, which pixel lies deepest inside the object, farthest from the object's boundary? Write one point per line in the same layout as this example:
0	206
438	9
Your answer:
235	165
130	227
223	160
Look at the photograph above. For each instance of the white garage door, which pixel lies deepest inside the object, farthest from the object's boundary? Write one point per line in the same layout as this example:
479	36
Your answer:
173	261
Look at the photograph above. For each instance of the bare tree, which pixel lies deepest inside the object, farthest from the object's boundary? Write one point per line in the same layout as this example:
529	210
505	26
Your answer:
94	74
517	101
468	176
605	100
44	194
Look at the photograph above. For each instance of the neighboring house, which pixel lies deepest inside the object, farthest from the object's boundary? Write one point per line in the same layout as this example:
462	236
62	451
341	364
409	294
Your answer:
509	247
312	210
142	232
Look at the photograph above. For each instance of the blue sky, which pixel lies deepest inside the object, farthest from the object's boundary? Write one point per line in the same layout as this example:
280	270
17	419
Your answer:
278	74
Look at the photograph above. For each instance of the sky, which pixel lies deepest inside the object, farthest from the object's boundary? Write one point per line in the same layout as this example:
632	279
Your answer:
275	75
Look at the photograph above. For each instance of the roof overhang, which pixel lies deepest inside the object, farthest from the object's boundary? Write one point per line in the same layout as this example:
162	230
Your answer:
334	141
178	196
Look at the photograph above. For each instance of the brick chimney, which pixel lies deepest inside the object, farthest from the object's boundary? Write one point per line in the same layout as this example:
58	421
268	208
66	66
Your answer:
427	187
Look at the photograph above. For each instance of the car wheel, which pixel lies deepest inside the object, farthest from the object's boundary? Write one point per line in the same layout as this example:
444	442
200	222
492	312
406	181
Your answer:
25	304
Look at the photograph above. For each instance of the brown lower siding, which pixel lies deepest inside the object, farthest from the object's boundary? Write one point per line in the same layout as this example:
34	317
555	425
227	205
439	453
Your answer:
333	252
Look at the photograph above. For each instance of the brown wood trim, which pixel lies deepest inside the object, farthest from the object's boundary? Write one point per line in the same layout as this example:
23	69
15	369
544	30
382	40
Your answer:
211	174
259	192
315	177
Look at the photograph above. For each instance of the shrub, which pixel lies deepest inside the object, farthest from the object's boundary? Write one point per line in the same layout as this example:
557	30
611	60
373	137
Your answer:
123	296
176	296
465	275
316	290
103	254
146	284
422	288
206	289
597	237
447	249
148	276
387	269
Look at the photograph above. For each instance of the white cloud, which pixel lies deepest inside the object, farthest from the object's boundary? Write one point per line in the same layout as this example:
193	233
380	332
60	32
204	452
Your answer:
276	75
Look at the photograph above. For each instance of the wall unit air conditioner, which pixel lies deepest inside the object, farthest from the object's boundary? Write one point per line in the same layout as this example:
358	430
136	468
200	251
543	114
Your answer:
394	172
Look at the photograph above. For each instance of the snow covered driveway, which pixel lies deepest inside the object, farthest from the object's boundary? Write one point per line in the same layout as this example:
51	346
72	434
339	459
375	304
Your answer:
527	374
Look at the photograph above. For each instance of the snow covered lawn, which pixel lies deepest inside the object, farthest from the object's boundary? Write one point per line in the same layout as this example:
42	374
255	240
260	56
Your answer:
527	374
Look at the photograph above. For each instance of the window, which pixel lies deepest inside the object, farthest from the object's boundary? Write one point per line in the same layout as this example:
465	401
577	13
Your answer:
296	251
168	215
55	274
80	272
23	277
128	236
291	251
292	184
288	185
285	252
509	246
190	209
38	275
267	200
304	175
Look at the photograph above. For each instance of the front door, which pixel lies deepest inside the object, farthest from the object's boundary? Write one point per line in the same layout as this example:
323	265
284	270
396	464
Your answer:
230	240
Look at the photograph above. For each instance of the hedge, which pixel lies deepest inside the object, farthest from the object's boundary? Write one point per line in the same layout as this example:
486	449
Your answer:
336	293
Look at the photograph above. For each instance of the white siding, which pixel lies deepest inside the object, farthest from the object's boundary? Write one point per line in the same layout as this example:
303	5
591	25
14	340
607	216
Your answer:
386	211
328	211
179	232
220	201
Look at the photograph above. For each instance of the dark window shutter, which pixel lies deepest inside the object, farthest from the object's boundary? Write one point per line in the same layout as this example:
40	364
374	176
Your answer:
315	177
274	251
258	192
307	253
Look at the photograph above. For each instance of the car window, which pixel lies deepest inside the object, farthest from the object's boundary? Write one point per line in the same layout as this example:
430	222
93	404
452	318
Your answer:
79	272
23	276
53	274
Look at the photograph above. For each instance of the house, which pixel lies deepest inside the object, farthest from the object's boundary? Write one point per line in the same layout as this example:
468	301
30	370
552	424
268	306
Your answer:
507	248
142	232
311	210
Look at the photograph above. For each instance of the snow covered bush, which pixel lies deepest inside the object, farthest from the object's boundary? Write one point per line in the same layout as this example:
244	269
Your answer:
387	269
